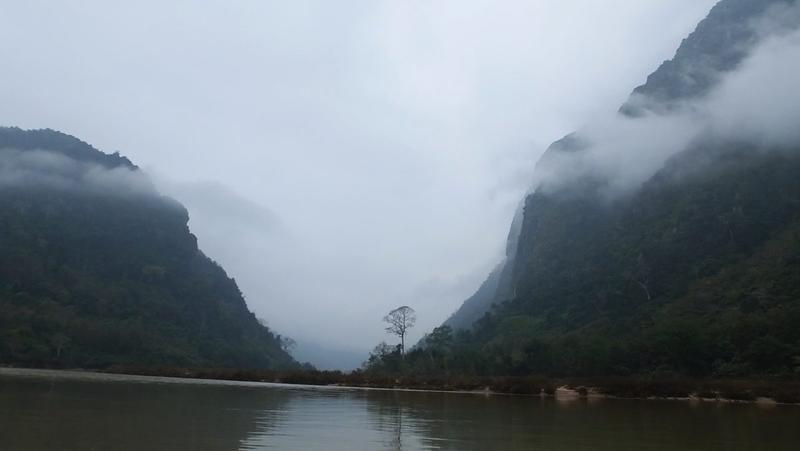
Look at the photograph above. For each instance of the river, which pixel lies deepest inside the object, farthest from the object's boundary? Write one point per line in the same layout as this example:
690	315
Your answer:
57	410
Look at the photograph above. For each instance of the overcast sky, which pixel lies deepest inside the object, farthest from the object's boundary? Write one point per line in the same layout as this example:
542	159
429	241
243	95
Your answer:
338	158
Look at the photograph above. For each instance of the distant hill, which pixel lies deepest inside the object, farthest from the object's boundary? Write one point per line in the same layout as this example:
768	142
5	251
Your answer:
98	269
695	273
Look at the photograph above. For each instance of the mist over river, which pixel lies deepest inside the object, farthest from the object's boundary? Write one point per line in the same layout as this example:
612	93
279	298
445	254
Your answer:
55	410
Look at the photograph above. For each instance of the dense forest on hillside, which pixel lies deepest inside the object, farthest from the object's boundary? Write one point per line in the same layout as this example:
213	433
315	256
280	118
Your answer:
692	272
98	269
695	273
698	274
717	46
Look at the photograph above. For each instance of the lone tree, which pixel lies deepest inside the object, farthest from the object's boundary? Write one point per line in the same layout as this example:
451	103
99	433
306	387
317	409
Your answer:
400	320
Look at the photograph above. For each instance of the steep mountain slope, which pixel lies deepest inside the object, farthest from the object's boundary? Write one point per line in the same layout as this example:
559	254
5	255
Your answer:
97	269
634	286
694	273
718	45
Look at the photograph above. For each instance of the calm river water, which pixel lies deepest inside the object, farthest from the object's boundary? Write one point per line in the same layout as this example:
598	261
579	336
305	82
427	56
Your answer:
44	410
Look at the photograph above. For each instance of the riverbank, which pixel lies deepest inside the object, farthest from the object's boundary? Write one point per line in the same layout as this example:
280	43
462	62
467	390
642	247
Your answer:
762	390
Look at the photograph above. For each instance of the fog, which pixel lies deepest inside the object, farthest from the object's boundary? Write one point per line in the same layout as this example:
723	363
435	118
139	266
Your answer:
339	159
758	104
36	168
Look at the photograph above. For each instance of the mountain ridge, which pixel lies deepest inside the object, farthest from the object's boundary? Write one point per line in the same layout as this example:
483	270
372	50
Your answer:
98	269
693	71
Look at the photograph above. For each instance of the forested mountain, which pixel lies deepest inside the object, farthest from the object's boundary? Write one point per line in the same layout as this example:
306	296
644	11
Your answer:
696	271
97	268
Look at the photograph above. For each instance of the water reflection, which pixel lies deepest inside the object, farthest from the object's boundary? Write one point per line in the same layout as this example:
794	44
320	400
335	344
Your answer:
73	414
54	411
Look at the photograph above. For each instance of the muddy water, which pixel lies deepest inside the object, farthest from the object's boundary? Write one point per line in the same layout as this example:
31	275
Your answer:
43	410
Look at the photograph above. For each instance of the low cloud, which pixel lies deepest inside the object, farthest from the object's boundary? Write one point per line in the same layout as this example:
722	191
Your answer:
31	168
392	140
758	104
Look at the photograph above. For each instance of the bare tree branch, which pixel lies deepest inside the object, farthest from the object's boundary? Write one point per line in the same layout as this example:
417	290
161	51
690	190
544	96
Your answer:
400	320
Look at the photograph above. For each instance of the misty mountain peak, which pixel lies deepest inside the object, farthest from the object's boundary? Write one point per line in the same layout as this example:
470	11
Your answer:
717	46
67	145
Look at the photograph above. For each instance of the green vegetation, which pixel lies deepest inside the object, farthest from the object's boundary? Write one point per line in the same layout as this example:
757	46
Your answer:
93	276
695	275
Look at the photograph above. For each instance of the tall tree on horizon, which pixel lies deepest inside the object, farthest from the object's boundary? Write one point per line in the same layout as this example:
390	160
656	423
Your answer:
400	320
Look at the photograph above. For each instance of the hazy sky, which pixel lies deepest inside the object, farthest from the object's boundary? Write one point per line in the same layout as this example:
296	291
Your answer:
339	158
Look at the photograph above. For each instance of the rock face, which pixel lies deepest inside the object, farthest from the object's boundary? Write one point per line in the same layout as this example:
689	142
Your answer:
695	273
718	45
98	269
